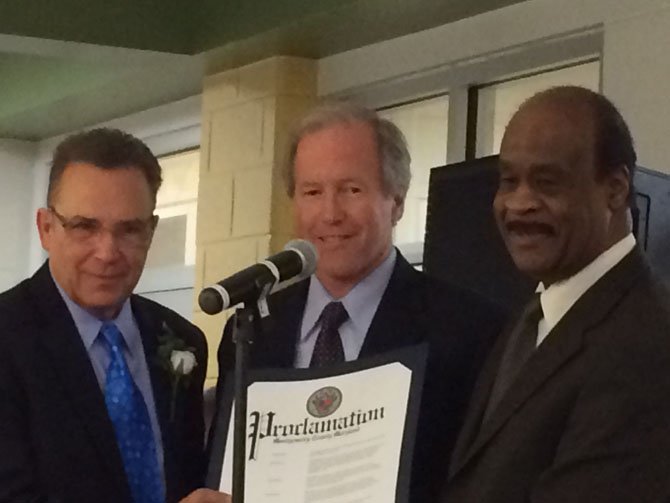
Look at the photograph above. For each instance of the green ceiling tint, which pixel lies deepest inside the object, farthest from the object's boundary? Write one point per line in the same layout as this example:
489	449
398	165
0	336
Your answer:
159	25
49	87
30	82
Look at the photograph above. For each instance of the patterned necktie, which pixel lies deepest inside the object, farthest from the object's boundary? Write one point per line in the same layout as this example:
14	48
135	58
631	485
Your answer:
132	425
328	348
520	345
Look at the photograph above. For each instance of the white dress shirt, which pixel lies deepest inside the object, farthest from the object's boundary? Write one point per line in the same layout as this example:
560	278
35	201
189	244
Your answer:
560	297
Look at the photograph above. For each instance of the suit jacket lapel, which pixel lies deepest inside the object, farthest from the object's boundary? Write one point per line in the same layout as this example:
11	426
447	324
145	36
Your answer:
277	345
478	402
564	342
150	328
72	364
394	324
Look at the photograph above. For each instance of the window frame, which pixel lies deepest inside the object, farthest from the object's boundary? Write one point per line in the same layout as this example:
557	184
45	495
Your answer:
460	80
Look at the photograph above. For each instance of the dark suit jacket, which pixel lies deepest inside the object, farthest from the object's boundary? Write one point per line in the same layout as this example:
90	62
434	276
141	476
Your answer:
588	419
458	326
57	443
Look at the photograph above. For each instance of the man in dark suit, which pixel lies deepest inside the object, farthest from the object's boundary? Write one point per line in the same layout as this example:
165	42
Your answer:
348	175
101	390
572	404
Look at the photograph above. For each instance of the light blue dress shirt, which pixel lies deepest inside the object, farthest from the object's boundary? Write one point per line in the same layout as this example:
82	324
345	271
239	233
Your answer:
133	351
361	304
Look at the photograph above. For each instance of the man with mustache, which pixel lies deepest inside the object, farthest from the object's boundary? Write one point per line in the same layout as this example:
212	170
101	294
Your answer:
572	404
348	176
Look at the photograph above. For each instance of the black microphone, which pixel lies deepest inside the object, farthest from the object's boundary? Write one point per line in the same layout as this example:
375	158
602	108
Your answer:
295	263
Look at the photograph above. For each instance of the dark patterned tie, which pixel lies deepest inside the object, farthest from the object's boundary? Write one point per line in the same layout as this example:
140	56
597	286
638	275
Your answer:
328	348
132	425
520	345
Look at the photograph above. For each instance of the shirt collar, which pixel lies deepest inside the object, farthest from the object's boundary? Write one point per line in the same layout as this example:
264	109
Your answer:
360	302
560	297
89	325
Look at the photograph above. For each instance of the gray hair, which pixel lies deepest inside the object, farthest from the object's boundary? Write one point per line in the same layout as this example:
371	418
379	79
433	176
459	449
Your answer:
391	143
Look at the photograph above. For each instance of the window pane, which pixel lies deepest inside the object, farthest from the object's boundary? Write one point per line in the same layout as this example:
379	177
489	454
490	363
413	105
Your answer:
424	125
180	178
176	205
497	103
169	243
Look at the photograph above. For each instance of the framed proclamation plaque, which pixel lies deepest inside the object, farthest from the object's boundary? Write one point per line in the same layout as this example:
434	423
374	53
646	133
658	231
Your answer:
342	434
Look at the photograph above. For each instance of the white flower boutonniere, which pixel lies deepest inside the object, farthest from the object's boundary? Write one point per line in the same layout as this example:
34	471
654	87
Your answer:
178	360
183	362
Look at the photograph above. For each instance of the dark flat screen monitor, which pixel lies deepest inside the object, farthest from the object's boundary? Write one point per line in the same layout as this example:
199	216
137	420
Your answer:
652	219
462	244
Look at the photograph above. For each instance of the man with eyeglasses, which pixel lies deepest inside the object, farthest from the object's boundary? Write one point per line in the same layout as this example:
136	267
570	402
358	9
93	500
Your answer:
100	389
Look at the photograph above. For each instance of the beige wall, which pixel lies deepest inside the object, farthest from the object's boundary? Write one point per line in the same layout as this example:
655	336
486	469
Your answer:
243	211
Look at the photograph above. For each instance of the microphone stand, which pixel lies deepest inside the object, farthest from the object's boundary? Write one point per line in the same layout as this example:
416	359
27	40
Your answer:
246	326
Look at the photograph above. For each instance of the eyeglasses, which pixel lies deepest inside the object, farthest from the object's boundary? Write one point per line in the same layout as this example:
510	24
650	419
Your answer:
134	233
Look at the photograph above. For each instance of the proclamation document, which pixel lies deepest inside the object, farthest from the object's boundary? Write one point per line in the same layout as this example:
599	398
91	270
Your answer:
341	435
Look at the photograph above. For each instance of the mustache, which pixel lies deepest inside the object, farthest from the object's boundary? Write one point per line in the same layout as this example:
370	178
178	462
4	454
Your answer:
524	227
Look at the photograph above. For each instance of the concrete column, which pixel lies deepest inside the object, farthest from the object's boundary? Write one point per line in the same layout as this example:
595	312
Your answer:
243	210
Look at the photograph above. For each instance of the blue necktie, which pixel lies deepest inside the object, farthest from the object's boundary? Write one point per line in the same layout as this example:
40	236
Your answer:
132	425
